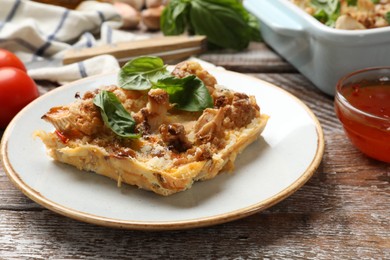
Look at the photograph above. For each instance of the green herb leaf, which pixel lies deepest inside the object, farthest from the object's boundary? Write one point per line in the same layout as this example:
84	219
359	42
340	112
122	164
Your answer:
223	26
226	23
188	94
327	11
139	73
174	17
114	115
387	17
321	16
353	2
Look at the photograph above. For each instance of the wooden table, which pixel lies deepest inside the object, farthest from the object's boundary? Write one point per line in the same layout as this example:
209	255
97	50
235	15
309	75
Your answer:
343	212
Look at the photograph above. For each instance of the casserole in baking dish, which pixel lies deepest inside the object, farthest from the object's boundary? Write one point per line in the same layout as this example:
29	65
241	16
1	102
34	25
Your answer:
321	53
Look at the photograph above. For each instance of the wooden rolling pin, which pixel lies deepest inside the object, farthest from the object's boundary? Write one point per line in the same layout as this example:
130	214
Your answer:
167	47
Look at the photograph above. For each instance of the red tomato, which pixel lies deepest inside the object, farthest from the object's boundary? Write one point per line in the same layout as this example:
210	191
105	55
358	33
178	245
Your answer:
8	59
17	89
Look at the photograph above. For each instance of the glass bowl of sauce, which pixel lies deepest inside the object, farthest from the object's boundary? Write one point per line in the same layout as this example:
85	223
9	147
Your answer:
362	104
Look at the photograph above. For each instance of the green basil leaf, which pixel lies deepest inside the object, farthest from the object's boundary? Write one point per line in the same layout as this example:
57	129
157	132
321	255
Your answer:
251	20
174	17
321	16
138	73
387	17
188	94
114	115
327	11
226	23
352	2
221	23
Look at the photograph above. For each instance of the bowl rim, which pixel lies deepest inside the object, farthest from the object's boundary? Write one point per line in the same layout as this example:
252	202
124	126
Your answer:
339	97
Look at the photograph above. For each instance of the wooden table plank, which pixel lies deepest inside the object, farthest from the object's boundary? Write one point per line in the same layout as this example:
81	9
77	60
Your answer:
269	234
257	58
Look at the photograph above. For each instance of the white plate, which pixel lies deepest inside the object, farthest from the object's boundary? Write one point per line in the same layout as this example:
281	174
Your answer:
268	171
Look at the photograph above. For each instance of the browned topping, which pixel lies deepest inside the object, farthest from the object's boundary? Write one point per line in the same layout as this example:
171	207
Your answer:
195	154
242	110
140	118
202	153
175	137
125	153
234	111
90	94
180	136
221	101
223	97
151	117
158	97
143	128
158	152
208	128
89	119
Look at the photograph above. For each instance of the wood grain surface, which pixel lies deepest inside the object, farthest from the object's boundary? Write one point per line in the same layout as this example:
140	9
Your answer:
342	212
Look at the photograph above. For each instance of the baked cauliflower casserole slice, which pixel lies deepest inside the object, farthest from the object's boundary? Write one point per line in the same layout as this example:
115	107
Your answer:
175	148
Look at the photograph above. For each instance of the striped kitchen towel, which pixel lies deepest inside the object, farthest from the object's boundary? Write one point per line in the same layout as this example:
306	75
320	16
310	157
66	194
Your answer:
39	34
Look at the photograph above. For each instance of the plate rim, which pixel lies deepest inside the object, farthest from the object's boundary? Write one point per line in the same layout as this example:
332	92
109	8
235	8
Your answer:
162	225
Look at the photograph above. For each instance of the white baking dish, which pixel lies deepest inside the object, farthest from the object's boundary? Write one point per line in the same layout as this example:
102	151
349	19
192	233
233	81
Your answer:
321	53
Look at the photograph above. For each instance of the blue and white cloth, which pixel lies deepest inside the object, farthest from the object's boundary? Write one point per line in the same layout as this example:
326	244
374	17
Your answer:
39	34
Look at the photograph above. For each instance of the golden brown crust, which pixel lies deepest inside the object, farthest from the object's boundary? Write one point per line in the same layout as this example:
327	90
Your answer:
146	175
176	148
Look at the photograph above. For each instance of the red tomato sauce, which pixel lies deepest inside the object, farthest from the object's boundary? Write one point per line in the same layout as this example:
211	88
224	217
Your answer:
62	137
372	99
371	135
